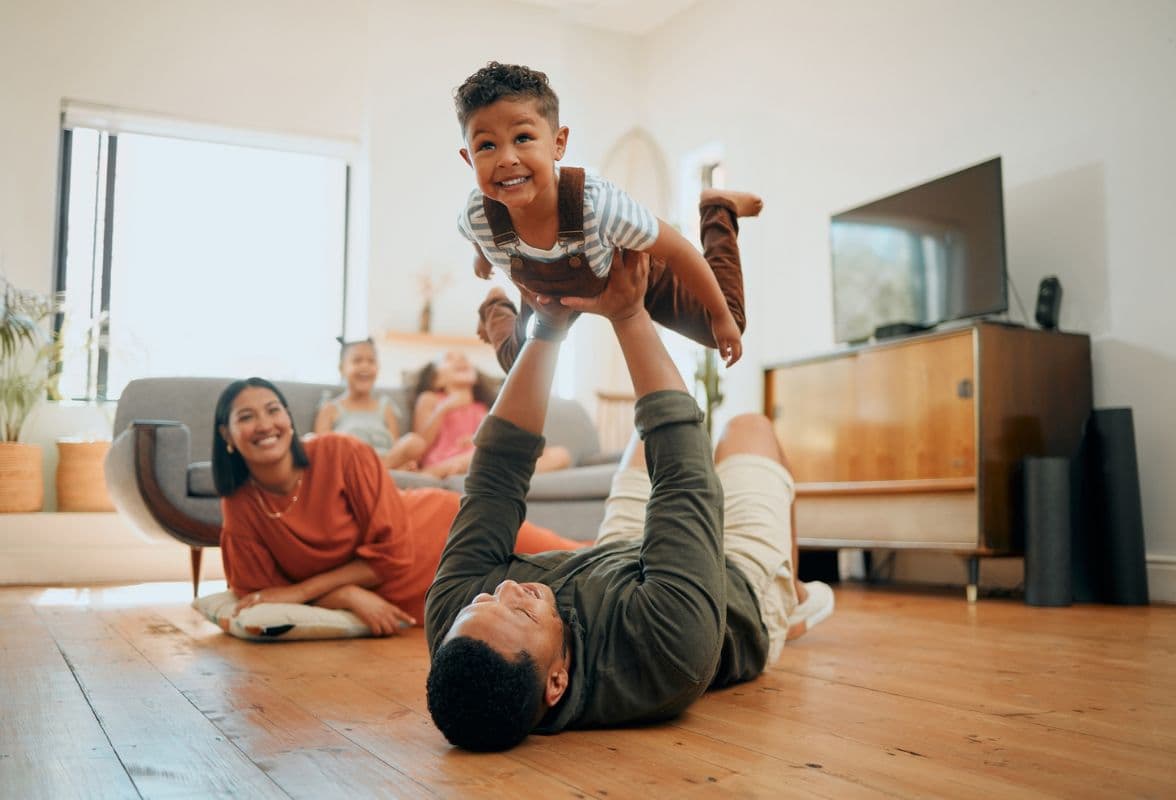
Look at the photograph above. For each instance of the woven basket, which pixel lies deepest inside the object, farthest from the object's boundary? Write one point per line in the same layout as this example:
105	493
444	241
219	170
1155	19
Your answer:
21	488
81	476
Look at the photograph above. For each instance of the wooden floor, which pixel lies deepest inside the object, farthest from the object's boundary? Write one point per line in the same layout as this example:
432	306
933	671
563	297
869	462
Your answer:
129	693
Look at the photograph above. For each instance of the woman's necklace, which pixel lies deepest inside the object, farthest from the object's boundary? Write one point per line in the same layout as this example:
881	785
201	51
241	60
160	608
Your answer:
265	505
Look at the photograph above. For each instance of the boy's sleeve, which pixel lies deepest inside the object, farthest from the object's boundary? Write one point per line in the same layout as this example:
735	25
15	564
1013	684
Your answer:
621	220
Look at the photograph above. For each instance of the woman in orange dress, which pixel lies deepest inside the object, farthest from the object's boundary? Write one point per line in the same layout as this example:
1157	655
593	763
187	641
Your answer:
321	522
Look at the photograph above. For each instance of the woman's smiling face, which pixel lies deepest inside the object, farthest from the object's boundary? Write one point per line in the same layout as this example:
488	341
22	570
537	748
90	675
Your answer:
259	426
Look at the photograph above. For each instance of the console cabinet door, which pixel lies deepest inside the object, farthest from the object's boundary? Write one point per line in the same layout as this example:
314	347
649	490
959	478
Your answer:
905	411
917	409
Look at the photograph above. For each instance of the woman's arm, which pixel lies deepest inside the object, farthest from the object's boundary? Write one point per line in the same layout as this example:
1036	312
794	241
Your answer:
390	421
354	573
324	420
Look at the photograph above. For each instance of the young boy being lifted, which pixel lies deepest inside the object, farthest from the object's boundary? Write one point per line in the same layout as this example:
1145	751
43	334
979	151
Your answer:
554	231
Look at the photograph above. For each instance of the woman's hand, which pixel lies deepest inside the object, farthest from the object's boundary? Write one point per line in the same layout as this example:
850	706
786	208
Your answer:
384	618
624	294
273	594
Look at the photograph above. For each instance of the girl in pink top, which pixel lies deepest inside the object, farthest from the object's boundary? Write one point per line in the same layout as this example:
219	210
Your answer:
452	400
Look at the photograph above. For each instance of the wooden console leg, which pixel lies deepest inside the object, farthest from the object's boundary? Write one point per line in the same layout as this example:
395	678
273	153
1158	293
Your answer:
973	590
197	553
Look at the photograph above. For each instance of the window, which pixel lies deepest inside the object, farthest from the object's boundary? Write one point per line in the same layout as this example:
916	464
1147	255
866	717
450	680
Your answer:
187	250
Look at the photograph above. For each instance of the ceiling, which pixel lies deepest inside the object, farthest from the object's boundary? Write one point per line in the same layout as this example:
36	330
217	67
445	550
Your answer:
636	17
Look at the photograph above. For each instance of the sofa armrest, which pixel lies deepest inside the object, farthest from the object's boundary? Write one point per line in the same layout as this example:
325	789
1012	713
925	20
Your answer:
146	453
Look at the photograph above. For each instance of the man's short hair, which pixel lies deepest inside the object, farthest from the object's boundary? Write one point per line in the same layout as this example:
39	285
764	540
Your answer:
495	82
479	699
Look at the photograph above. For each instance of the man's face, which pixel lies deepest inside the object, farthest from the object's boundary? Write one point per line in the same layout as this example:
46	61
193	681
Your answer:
513	151
517	617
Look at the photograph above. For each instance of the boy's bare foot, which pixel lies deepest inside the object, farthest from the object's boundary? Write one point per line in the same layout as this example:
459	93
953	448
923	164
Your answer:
746	204
496	316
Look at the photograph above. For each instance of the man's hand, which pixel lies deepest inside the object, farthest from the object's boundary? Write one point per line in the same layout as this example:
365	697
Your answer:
548	309
624	294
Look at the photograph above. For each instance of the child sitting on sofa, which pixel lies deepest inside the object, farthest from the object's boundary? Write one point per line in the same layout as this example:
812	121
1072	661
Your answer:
452	399
361	414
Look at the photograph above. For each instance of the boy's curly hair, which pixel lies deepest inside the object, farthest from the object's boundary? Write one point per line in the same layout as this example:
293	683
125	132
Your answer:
495	81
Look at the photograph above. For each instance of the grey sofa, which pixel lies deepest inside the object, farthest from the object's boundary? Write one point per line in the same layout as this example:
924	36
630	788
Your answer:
159	474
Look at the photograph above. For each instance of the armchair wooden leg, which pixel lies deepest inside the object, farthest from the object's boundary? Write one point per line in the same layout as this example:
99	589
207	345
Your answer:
197	554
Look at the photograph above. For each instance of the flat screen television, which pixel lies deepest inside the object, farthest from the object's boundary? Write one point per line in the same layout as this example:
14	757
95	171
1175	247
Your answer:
921	257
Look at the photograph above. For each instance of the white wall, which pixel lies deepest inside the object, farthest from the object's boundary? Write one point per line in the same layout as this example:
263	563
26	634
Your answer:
296	67
420	183
380	74
822	106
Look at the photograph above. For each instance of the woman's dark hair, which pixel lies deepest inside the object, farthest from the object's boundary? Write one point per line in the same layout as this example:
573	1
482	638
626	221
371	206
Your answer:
478	699
484	390
495	82
228	469
345	345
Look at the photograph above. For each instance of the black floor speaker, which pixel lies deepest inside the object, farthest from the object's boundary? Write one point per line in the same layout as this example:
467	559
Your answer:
1042	501
1109	536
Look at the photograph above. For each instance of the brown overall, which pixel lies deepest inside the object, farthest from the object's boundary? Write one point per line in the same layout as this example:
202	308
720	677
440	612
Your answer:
668	302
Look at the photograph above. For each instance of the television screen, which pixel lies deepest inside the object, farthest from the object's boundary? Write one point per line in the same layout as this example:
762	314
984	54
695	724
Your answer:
932	253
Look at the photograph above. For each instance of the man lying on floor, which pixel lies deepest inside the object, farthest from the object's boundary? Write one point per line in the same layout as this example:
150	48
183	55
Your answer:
682	591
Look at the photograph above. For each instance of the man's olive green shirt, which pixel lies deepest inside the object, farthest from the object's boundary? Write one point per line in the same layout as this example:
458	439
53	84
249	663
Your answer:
654	623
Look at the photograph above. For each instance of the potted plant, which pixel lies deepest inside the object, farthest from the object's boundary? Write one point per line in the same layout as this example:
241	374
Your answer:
28	362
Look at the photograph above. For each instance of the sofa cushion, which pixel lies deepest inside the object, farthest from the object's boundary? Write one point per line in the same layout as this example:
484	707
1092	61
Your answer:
200	479
584	483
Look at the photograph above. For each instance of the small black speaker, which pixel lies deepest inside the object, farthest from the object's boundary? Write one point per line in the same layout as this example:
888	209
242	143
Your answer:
1049	302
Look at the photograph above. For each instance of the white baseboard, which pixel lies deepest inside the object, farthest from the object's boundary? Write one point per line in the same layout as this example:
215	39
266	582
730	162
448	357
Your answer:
88	548
943	569
1161	579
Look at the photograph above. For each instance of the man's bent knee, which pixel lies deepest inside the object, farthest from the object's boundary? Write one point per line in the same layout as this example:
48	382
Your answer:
749	434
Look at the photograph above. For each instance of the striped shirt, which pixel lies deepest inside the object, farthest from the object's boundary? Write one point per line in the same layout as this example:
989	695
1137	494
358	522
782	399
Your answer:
612	219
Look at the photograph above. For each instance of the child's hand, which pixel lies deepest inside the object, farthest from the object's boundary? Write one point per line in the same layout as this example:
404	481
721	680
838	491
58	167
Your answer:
482	267
728	339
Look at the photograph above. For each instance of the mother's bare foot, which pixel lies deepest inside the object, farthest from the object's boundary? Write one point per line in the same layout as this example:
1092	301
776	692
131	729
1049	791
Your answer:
746	204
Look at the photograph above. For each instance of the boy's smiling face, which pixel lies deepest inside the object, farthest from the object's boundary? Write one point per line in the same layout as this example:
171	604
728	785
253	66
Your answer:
513	151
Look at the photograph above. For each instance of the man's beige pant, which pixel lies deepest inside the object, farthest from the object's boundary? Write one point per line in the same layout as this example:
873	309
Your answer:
757	529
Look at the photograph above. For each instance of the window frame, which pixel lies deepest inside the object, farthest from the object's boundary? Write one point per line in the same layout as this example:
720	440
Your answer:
109	123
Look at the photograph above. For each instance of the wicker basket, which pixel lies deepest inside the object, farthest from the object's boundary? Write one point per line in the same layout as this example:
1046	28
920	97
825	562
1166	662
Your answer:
81	476
21	487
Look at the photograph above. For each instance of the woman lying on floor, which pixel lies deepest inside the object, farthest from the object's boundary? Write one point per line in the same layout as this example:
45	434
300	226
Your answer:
321	522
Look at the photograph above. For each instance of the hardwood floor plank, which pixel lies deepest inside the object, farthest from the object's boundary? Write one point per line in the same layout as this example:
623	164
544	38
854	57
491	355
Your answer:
351	691
299	752
897	695
168	748
966	741
51	744
1076	685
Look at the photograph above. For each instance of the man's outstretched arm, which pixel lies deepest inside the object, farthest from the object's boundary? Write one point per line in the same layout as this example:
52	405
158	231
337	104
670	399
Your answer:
679	610
508	442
